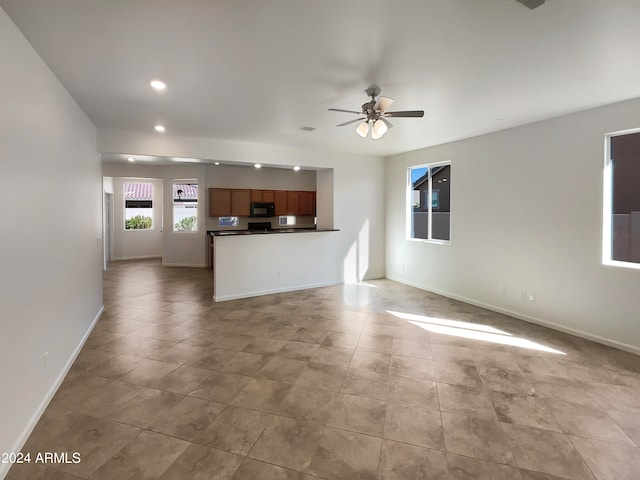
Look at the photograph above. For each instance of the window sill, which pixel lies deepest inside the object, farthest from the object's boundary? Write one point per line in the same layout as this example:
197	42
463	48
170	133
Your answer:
425	240
621	264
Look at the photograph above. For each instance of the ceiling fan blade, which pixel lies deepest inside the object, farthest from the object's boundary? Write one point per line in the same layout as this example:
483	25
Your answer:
387	122
531	4
345	111
405	113
350	122
383	103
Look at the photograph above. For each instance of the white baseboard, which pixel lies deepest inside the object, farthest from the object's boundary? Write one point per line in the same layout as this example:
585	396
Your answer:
527	318
375	276
190	265
141	257
272	291
4	467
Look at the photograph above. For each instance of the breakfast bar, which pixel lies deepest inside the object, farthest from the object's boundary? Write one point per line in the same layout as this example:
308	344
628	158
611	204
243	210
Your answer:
249	263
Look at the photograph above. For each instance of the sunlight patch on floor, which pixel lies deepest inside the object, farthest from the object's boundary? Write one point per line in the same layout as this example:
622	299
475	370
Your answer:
473	331
411	317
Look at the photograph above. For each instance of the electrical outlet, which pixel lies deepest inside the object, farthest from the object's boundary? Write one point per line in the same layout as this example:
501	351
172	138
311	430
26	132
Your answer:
503	290
531	297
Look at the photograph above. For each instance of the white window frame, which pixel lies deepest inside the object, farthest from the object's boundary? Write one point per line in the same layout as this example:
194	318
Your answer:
607	204
124	212
284	220
173	203
409	206
236	221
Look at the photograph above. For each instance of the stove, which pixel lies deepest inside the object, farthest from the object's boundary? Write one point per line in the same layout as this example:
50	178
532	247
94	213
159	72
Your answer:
259	226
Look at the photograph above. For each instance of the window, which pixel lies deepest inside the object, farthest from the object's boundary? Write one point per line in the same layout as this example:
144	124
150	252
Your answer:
227	221
621	236
138	206
185	205
429	220
287	220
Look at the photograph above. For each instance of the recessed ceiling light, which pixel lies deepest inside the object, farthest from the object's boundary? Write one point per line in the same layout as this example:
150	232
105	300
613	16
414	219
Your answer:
160	128
158	85
258	165
296	168
131	159
216	163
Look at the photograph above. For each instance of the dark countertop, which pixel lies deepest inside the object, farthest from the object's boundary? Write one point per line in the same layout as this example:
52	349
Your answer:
230	233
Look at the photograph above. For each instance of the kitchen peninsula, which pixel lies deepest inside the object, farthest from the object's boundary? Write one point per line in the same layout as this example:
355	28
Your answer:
249	263
266	241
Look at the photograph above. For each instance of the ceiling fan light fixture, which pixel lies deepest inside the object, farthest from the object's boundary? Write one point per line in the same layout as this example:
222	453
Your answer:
363	129
379	128
374	115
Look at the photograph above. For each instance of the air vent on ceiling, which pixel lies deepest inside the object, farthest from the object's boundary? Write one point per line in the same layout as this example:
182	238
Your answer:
306	128
531	4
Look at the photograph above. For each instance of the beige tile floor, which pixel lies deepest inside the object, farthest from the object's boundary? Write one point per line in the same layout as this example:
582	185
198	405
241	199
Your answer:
328	383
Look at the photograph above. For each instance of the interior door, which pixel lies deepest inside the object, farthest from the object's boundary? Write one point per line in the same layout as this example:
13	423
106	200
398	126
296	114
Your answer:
107	228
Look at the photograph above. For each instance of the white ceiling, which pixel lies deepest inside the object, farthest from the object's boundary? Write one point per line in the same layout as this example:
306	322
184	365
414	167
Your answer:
257	70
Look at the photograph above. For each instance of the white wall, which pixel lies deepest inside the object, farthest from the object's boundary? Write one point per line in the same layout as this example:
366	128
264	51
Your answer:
265	178
358	189
184	248
130	244
51	251
526	213
176	248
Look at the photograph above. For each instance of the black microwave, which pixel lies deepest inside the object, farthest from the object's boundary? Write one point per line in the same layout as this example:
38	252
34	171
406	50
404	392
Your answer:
267	209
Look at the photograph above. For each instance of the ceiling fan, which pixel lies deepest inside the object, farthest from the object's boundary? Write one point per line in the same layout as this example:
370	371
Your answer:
374	114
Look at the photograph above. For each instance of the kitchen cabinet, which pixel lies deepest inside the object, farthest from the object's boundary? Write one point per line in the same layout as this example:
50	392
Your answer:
219	202
267	196
256	195
240	203
293	203
306	203
262	196
225	202
280	200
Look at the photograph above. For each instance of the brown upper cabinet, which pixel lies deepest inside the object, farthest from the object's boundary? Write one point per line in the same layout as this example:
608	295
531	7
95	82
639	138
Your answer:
224	202
262	195
293	203
267	195
219	202
280	200
240	203
306	203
